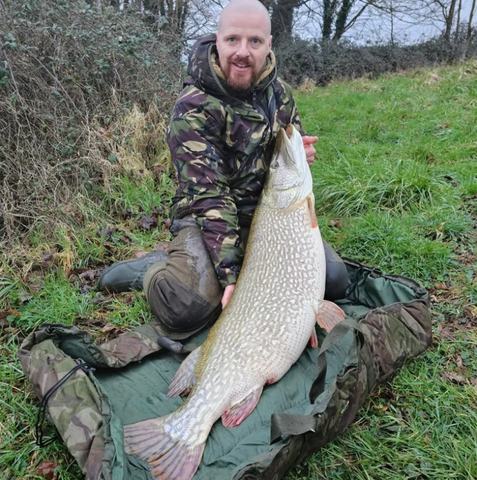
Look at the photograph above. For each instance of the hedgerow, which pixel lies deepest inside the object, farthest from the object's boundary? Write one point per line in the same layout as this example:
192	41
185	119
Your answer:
300	59
69	75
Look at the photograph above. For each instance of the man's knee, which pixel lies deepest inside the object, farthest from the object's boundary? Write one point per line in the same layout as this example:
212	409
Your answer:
337	278
177	307
184	294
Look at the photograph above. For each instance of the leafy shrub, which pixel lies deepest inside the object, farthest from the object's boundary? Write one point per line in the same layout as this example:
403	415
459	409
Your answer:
68	73
302	59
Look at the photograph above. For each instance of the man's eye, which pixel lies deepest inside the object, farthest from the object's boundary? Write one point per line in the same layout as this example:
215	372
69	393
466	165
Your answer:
231	39
255	41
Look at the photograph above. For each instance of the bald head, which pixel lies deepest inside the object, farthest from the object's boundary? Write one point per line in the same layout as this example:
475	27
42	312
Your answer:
246	7
243	42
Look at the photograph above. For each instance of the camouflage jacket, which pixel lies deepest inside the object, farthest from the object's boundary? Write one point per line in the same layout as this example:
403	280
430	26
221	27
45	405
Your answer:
221	145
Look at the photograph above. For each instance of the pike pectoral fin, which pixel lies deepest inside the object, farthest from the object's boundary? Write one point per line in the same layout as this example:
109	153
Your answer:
314	339
328	315
311	209
240	411
167	457
184	379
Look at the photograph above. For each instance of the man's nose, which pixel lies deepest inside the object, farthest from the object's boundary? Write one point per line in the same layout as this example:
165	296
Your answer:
243	51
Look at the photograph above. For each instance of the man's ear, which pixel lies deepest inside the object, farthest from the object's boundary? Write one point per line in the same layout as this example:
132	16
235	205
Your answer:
270	42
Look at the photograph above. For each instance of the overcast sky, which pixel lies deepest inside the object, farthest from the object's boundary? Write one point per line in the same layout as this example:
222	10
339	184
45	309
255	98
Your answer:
374	26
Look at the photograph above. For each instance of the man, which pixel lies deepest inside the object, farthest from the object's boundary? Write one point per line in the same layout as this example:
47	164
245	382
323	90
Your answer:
221	139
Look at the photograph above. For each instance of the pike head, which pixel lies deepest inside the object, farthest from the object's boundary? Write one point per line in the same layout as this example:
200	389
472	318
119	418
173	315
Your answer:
289	179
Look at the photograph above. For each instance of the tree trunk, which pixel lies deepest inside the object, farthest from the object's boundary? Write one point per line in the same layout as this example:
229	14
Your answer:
450	20
342	19
457	24
328	15
281	17
469	25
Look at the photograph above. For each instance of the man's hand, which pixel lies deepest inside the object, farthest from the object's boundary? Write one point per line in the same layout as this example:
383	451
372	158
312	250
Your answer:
309	148
229	290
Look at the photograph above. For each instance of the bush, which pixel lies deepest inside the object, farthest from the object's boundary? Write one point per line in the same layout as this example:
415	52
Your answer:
300	59
68	73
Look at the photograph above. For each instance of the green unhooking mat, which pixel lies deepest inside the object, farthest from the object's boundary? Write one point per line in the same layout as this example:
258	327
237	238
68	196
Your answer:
387	321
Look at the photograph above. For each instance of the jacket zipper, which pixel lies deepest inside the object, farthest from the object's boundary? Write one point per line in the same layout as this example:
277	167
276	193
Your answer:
258	107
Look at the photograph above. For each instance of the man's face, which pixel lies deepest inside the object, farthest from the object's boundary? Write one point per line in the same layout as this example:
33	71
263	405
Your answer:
243	43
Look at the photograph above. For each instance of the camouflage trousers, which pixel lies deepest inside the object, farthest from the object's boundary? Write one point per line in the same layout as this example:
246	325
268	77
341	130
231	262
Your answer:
184	292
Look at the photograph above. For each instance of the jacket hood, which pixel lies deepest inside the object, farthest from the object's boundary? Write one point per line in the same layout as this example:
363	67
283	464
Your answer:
205	73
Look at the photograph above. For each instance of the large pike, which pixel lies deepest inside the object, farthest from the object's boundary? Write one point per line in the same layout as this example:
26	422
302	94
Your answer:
262	331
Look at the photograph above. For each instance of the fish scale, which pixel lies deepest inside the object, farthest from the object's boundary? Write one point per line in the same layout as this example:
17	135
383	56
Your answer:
262	331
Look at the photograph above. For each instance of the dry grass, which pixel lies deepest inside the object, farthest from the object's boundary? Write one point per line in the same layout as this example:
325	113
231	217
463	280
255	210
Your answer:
136	140
76	105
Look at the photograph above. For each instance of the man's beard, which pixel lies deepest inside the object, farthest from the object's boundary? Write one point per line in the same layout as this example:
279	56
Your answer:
239	83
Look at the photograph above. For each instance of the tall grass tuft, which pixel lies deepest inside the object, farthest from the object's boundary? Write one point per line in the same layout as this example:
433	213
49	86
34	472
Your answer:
353	187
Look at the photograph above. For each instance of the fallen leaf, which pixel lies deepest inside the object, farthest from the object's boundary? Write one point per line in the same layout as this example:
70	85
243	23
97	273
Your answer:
458	361
127	298
125	214
88	275
48	260
454	377
100	298
109	327
157	210
25	297
47	470
96	322
147	222
106	232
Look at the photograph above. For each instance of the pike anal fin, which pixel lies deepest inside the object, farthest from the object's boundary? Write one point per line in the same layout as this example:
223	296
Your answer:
184	379
314	339
168	458
236	414
328	314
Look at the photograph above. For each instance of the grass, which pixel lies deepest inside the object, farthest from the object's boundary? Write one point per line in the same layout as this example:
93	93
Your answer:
395	187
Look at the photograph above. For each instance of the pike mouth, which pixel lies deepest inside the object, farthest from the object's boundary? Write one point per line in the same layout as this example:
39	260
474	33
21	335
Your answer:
288	186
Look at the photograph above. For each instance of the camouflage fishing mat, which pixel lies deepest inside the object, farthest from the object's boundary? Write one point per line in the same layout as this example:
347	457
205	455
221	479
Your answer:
387	321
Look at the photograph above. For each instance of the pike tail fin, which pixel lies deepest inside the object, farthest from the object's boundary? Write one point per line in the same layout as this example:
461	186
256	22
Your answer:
169	458
328	315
